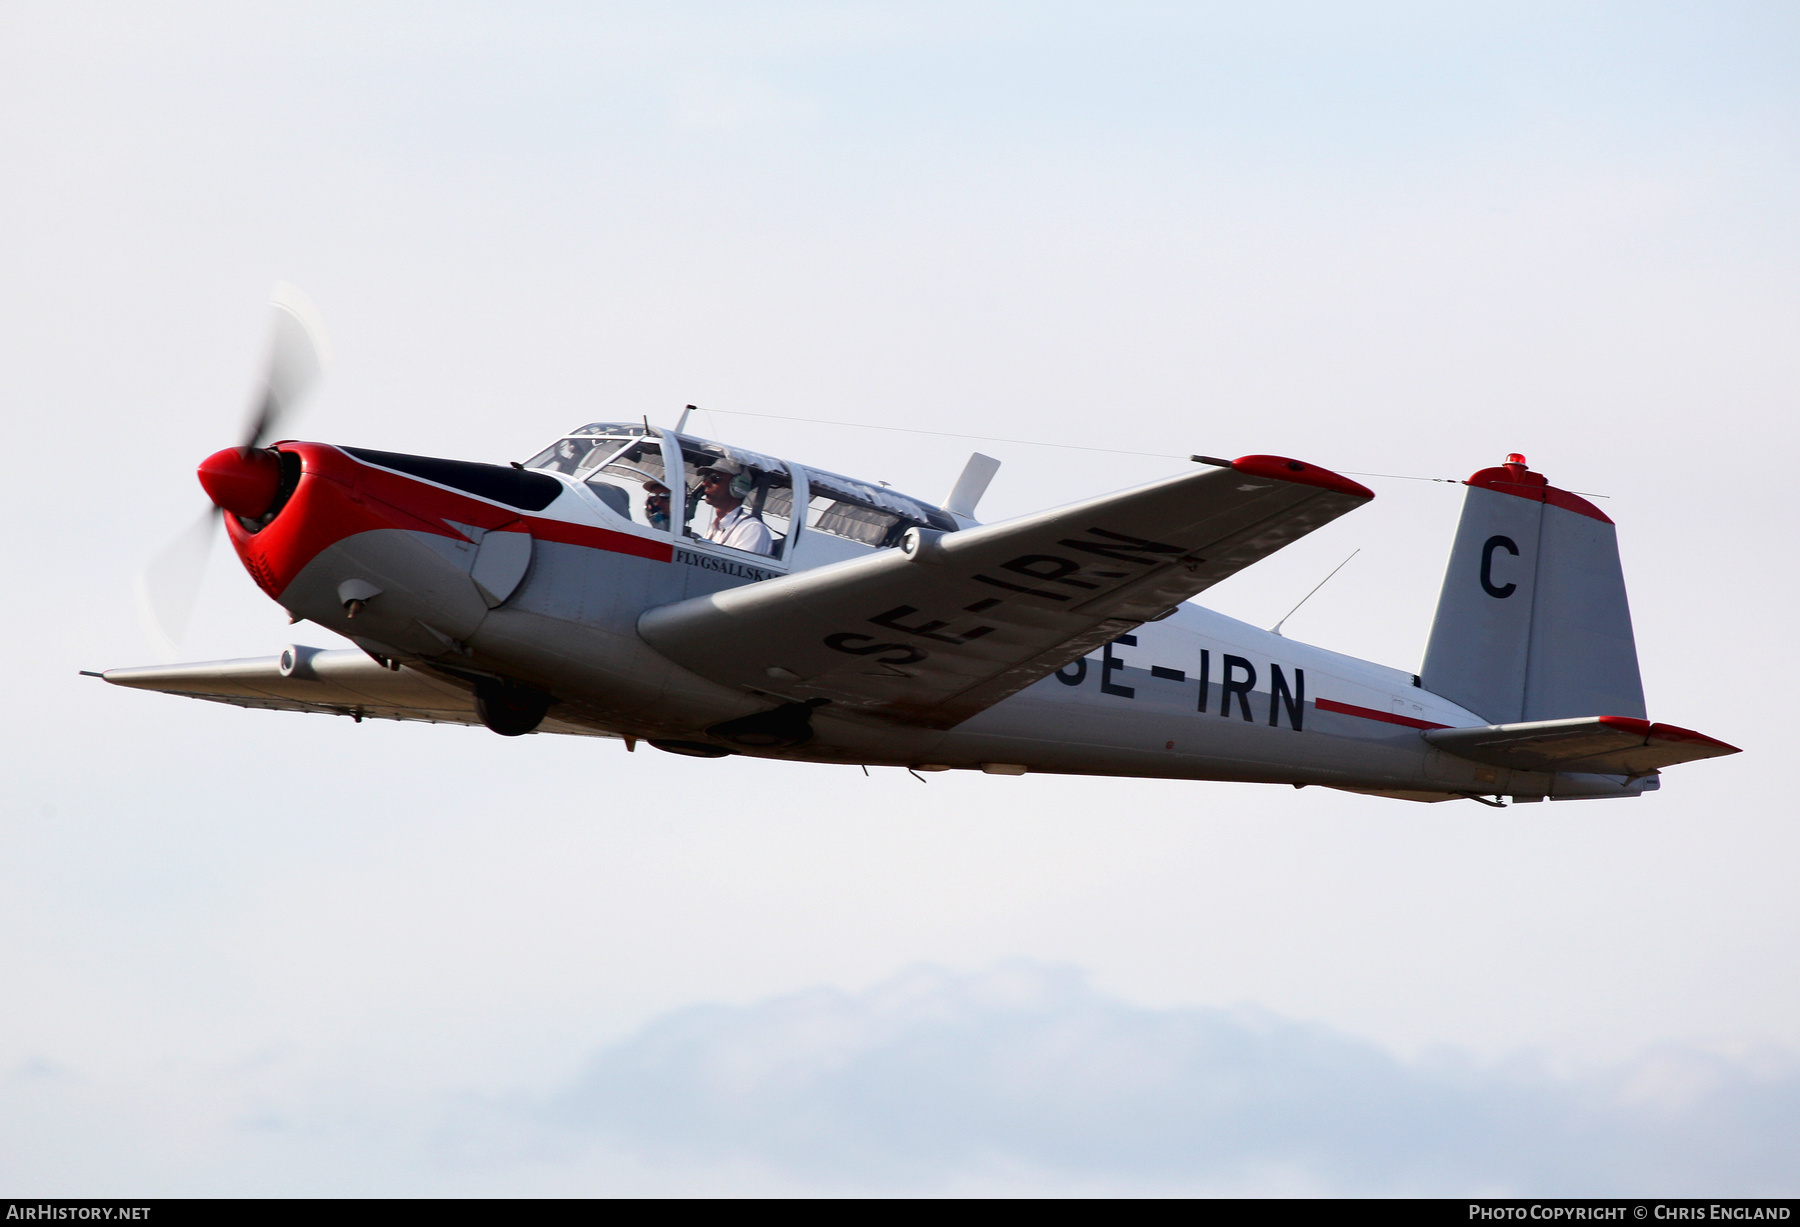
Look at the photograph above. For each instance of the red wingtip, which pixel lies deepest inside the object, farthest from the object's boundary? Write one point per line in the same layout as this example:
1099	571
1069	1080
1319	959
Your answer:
1670	732
1280	468
1665	732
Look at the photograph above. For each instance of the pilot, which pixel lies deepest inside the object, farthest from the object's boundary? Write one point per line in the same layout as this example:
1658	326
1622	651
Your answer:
723	484
656	504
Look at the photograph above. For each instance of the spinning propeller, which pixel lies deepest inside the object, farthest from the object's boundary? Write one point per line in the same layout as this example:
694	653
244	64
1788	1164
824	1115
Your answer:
242	479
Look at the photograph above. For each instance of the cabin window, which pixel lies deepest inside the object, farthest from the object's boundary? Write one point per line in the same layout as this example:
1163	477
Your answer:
729	496
853	521
633	483
870	515
737	499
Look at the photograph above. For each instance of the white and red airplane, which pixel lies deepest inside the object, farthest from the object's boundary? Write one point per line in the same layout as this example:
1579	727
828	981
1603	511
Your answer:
649	585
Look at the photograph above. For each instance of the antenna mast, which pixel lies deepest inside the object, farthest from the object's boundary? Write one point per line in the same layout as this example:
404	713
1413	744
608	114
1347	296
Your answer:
1276	629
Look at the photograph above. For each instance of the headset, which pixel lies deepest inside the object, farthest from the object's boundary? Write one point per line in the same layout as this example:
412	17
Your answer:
740	486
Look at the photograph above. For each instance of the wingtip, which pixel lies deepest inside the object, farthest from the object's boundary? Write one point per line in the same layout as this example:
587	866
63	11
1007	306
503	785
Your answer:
1283	468
1669	732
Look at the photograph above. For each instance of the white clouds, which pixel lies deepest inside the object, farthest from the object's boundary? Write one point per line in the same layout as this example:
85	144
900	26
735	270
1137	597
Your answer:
936	1076
1018	1079
714	102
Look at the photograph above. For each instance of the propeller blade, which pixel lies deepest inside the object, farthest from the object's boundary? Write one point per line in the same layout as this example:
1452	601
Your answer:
299	352
169	588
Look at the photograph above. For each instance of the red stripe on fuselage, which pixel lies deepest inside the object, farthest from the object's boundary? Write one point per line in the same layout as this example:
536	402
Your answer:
340	496
599	539
1369	713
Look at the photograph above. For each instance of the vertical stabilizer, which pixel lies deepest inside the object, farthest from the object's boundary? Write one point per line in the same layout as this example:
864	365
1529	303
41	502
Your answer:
1533	623
971	485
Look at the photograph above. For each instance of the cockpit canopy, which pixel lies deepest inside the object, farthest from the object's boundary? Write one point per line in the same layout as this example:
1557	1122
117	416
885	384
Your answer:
626	465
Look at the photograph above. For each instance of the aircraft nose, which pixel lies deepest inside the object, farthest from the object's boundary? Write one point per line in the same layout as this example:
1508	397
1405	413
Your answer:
242	480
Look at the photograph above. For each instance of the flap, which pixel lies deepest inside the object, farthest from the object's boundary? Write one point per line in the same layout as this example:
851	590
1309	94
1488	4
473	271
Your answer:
952	623
1600	745
342	682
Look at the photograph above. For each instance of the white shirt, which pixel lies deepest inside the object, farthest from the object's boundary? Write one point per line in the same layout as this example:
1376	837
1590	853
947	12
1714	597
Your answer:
740	530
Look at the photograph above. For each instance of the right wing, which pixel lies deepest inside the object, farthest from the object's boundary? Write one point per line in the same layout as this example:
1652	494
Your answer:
952	623
341	682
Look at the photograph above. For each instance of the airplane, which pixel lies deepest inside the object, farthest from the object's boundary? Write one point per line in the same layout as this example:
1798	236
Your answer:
644	584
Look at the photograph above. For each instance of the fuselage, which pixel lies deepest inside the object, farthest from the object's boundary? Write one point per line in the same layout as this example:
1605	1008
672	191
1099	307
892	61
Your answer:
538	577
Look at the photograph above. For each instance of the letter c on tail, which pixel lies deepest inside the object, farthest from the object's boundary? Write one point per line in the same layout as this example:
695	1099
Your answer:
1487	566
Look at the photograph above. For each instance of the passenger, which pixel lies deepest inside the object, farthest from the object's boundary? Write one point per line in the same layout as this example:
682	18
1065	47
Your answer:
656	504
567	458
724	484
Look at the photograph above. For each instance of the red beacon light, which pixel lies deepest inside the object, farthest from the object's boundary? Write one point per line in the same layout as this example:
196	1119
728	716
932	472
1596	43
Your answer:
242	480
1516	475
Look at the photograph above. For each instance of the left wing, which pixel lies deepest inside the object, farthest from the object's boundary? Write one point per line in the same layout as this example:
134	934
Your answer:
952	623
341	682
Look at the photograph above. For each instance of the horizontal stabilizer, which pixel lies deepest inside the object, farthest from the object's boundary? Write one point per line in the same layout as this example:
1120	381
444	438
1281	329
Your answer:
1598	745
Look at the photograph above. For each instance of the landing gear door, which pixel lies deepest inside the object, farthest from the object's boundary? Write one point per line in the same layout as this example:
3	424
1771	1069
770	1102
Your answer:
501	559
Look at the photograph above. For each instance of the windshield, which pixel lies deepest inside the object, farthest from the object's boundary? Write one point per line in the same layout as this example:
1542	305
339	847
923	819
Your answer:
588	447
621	463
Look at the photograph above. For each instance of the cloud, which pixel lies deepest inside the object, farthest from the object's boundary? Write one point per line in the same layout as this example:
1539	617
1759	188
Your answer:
1021	1079
704	101
937	1077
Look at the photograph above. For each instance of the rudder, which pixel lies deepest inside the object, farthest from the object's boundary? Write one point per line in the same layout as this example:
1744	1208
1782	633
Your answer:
1533	621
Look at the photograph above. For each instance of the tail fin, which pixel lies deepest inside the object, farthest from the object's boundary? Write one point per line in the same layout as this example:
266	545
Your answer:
1533	623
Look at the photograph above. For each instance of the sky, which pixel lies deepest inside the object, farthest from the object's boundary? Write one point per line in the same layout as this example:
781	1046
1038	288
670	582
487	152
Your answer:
265	953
